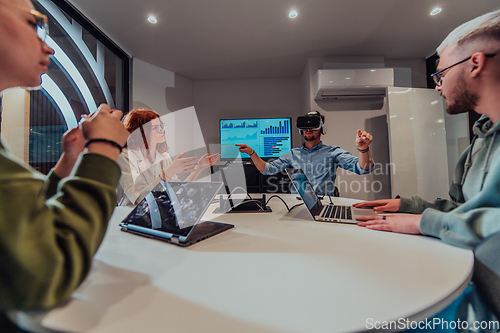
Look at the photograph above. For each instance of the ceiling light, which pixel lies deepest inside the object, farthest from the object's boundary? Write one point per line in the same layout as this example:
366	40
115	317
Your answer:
152	19
293	14
436	11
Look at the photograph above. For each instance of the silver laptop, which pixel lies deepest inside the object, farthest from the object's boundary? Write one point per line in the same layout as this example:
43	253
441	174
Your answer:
172	211
319	212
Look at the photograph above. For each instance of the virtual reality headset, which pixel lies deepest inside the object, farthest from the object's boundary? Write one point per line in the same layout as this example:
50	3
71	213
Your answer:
312	121
309	122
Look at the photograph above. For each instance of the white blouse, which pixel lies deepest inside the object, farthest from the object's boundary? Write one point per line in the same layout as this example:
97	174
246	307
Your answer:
139	176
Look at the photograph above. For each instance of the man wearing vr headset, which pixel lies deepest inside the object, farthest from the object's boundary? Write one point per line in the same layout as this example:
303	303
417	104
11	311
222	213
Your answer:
318	160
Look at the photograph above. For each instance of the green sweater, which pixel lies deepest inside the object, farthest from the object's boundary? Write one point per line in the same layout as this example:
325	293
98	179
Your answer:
473	212
51	228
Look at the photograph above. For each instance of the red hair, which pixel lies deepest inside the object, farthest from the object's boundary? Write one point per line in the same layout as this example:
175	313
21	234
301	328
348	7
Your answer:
141	119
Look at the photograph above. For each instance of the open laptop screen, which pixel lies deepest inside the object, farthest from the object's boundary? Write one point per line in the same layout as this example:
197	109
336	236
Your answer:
173	207
303	187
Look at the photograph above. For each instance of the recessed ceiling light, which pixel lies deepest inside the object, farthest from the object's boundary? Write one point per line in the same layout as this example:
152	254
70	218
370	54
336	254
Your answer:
293	14
152	19
436	11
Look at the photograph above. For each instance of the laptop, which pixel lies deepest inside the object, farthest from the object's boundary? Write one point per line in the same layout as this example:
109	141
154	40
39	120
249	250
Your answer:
172	211
319	212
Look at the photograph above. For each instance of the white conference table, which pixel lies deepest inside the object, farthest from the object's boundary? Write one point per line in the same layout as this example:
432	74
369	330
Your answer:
273	272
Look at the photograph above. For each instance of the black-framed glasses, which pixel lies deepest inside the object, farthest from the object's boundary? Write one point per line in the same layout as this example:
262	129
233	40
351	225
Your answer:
41	21
438	76
158	128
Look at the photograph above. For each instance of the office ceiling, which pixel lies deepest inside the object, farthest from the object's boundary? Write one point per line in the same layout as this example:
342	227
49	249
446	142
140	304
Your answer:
232	39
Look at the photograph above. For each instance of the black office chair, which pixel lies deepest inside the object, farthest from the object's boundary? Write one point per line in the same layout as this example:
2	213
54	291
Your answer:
487	271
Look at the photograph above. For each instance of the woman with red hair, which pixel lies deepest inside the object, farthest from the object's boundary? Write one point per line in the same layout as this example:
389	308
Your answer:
145	160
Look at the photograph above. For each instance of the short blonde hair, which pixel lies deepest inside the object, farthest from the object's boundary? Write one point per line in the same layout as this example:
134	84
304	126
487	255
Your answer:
486	26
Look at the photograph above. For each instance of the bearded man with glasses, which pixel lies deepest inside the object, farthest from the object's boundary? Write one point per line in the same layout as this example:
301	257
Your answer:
468	79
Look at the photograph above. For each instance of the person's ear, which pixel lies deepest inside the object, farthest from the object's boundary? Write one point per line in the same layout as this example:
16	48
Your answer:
478	62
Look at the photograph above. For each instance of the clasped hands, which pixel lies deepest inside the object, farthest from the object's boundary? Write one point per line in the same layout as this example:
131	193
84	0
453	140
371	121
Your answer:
401	223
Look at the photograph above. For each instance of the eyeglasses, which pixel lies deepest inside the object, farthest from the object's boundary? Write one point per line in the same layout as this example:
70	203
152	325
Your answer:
41	23
158	128
438	76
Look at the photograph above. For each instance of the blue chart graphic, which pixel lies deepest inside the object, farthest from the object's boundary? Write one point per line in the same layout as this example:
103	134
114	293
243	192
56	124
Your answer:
241	138
273	146
280	129
269	137
238	124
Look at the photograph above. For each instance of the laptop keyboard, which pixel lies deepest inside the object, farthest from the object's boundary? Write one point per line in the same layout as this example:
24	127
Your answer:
337	212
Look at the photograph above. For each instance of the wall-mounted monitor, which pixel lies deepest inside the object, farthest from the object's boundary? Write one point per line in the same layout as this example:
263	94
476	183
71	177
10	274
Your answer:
269	137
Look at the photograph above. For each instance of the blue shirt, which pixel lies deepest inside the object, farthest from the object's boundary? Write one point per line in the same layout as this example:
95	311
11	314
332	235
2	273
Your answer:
319	164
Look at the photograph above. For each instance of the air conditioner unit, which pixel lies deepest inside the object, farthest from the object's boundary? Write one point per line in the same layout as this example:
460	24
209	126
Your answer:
352	83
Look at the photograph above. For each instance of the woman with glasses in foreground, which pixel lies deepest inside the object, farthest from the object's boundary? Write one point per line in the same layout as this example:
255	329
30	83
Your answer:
145	161
51	226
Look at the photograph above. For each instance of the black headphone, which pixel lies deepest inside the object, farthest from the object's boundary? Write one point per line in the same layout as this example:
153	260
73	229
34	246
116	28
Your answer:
316	113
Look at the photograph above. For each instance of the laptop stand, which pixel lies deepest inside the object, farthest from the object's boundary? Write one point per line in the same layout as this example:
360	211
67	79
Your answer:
246	206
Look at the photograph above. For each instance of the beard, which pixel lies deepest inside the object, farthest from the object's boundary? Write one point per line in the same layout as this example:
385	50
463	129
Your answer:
312	137
465	100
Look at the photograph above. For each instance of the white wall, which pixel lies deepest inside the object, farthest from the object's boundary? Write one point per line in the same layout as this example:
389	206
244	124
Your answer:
149	85
253	98
160	90
15	121
180	96
417	67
